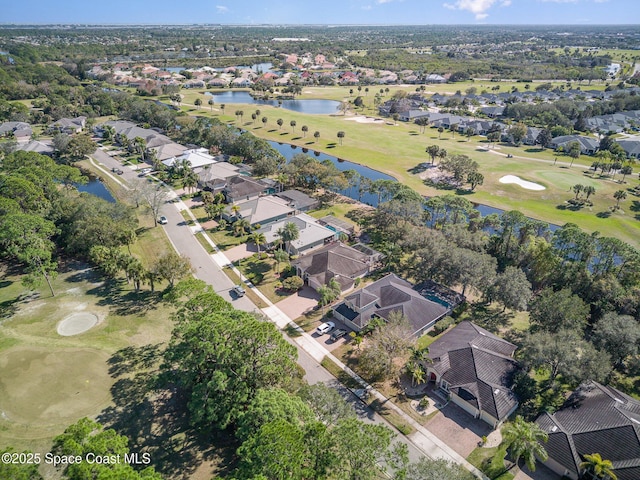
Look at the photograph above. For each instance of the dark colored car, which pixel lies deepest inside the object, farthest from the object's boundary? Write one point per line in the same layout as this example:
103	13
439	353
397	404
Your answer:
338	334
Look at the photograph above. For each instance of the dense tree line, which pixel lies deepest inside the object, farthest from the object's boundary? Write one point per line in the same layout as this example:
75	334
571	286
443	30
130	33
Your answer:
582	290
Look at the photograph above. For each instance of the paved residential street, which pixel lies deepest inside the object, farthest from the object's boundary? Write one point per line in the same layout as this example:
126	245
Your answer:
310	353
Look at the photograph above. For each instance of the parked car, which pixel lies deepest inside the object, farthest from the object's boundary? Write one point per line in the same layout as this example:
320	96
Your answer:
325	328
163	220
144	172
337	334
238	290
117	171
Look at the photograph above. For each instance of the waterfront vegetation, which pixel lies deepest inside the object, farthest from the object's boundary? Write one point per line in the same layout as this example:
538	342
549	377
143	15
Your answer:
210	390
399	149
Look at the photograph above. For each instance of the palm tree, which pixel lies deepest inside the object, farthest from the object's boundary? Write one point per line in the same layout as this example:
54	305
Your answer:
626	170
241	226
417	373
222	105
259	239
432	151
440	130
588	191
288	234
293	124
442	154
264	121
619	195
108	132
214	210
597	467
280	256
236	210
191	180
140	144
197	102
577	189
304	129
316	135
279	122
523	440
211	103
253	117
341	135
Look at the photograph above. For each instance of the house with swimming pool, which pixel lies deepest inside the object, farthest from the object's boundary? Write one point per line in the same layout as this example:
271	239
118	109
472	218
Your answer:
391	294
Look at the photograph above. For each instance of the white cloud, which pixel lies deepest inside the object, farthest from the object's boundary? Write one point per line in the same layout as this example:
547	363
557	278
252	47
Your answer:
222	9
384	1
478	7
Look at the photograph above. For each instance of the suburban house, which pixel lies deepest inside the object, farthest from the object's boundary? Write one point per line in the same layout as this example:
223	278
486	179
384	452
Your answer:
196	158
473	367
301	202
20	131
594	419
69	125
130	130
492	111
588	146
631	146
214	177
168	151
241	189
261	210
311	234
338	261
35	146
387	295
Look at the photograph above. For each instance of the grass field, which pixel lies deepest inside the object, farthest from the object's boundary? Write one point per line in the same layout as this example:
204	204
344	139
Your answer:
397	149
50	381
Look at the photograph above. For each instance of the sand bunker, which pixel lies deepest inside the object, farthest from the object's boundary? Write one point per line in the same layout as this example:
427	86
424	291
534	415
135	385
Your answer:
365	119
77	323
520	182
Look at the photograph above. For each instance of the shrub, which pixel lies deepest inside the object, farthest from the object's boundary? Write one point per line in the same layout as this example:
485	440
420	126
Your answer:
443	324
293	284
424	403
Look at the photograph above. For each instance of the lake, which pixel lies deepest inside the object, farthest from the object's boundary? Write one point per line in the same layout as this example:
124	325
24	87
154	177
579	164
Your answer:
288	151
95	187
316	107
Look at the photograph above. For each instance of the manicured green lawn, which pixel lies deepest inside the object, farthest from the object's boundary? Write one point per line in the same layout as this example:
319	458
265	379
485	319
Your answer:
398	149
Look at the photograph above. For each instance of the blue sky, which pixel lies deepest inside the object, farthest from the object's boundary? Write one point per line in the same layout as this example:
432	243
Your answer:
410	12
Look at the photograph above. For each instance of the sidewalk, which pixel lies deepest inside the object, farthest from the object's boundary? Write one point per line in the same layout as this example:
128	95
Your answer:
430	445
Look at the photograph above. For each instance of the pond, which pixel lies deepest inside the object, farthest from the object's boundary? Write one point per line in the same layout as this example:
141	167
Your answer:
311	106
95	187
288	151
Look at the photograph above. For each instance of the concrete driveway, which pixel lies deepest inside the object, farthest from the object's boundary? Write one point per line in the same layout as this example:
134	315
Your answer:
458	429
297	305
241	251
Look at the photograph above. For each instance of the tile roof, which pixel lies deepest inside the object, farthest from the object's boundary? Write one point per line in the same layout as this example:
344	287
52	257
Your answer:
596	419
337	261
393	294
478	367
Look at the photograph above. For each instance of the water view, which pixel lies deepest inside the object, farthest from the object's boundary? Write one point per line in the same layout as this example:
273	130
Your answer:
95	187
316	107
